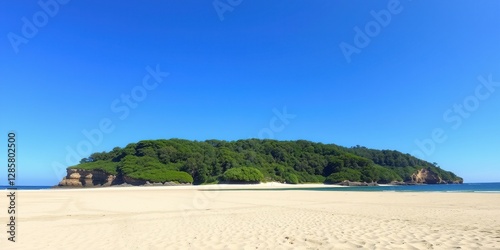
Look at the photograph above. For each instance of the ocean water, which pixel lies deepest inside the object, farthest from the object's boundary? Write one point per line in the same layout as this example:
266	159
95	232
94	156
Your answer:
445	188
457	188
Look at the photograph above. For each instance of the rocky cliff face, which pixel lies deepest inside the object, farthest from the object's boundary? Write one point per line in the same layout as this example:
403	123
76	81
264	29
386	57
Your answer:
88	178
98	178
426	176
429	177
133	181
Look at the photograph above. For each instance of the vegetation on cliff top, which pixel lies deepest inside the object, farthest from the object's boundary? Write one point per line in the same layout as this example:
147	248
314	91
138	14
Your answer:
256	160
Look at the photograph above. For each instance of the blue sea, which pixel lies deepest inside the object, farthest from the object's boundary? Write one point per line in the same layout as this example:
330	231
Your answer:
444	188
456	188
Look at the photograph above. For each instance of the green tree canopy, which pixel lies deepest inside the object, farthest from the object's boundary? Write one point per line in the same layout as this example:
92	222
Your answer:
283	161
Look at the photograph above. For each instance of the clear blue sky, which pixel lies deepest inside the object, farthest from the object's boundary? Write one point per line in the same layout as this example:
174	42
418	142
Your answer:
227	75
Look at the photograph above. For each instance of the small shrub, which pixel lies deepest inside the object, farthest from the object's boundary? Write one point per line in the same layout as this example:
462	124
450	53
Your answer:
243	175
292	179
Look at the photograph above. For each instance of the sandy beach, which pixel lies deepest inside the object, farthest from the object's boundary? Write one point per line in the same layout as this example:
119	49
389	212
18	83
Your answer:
211	217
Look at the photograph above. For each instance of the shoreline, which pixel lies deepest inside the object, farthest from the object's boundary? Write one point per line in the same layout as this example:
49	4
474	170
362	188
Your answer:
268	185
271	186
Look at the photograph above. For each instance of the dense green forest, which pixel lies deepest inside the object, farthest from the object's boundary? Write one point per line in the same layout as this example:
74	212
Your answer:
253	160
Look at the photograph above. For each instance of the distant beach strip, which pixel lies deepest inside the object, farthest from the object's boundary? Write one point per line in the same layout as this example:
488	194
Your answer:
451	188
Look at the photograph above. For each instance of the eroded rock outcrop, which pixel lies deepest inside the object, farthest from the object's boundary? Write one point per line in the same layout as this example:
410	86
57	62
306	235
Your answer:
98	178
88	178
426	176
134	182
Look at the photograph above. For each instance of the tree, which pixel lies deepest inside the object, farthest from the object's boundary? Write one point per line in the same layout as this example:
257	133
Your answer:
243	175
334	164
291	179
345	174
85	160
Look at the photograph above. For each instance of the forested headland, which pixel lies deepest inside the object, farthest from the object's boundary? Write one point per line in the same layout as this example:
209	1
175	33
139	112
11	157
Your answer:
254	161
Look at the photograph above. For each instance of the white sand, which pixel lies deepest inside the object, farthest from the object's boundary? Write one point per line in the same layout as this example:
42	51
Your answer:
189	218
